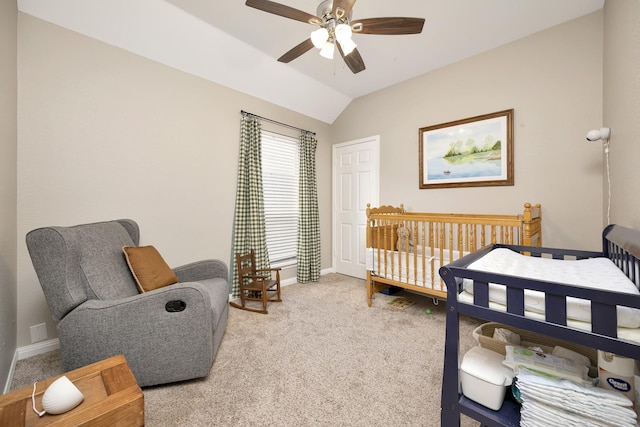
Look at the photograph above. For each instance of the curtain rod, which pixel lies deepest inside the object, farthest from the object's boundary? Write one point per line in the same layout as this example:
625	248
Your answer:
275	122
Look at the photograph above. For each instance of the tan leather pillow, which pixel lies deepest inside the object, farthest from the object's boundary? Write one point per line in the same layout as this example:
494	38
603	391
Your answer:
148	268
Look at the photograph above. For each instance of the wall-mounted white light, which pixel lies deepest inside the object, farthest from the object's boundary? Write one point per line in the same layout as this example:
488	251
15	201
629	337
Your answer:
604	134
599	134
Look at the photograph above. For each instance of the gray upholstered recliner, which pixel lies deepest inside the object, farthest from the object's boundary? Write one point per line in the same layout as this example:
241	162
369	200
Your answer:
100	313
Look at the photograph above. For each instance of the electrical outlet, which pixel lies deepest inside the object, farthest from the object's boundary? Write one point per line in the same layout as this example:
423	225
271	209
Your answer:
38	332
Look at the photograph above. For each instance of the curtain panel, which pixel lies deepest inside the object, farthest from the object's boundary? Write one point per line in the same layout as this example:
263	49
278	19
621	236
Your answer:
249	228
308	246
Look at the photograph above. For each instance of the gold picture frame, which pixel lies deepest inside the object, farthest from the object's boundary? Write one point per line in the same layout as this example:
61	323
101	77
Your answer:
472	152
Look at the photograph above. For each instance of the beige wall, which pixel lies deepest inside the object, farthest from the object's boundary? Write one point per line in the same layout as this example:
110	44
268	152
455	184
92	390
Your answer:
8	138
622	108
104	133
107	134
553	81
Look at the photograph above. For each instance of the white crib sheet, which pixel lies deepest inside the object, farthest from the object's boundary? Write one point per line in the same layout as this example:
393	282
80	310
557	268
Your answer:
599	273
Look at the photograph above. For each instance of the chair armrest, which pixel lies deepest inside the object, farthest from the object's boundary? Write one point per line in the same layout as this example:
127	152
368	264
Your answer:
160	346
202	270
270	272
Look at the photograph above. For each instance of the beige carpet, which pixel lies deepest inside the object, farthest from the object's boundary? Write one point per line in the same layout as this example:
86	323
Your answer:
321	357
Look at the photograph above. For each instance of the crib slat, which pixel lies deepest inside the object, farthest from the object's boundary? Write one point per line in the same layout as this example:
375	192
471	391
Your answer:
423	228
450	246
415	231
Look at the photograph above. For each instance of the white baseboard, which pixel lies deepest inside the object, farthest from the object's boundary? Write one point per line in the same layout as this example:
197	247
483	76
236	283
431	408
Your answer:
29	351
7	385
293	280
37	348
289	281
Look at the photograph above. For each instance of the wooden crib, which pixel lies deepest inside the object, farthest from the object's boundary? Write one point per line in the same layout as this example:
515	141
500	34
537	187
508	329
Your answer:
406	249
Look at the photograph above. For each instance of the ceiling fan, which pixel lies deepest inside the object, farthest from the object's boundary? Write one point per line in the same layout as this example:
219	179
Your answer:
333	17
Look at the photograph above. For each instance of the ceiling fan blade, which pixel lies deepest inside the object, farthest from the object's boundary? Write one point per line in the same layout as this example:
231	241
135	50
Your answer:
303	47
353	60
282	10
388	26
345	5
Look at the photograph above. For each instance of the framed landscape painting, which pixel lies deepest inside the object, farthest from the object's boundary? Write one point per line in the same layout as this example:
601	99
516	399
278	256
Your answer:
472	152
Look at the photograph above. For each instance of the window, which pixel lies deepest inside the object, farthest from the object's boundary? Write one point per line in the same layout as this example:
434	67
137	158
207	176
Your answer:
280	186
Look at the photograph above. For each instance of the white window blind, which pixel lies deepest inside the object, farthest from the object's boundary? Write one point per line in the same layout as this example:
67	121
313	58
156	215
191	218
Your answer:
280	185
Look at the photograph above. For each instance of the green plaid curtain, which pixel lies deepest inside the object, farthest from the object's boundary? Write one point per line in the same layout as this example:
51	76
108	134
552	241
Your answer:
308	247
248	227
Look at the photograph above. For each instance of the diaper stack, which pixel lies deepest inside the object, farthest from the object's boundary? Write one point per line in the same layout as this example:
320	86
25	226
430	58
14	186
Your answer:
549	401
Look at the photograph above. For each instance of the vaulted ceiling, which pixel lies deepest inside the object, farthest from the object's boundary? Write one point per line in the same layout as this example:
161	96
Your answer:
237	46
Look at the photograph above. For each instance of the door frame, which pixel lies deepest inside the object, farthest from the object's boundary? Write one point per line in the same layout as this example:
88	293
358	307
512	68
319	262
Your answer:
375	191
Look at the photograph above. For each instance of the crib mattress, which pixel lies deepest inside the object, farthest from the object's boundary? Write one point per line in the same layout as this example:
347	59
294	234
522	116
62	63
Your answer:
420	270
598	273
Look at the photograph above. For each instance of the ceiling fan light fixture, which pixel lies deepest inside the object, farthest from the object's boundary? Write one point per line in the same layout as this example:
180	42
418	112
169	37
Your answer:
319	37
327	50
347	46
343	33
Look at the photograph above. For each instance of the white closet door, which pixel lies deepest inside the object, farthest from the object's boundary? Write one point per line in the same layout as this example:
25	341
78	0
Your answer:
356	182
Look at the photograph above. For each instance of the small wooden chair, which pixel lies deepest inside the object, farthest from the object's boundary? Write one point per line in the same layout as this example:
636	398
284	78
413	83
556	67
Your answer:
256	284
